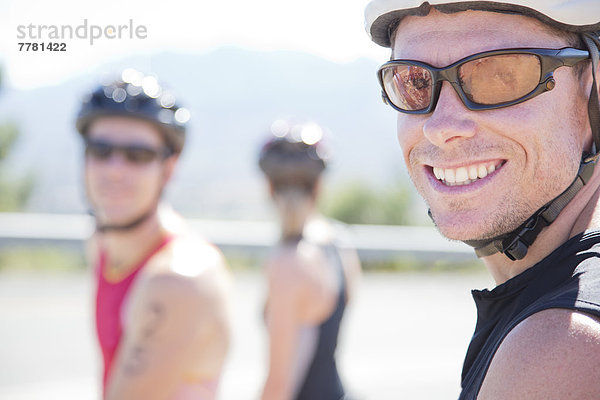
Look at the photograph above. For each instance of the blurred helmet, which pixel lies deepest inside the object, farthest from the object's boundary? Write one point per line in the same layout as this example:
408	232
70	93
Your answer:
382	16
138	96
293	155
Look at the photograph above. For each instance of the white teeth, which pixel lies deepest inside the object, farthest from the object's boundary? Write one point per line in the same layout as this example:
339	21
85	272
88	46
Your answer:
449	175
463	175
472	172
482	171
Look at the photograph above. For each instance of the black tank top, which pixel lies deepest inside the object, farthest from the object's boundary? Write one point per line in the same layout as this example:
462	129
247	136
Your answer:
322	381
568	278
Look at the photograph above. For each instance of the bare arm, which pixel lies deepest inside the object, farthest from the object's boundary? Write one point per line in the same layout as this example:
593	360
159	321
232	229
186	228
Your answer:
352	268
283	321
554	354
171	324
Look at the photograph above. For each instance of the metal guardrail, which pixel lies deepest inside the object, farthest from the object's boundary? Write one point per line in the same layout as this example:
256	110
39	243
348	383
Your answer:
373	242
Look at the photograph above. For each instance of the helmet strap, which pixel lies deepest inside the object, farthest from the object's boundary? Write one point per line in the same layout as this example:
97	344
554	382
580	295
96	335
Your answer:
104	228
128	226
515	244
593	44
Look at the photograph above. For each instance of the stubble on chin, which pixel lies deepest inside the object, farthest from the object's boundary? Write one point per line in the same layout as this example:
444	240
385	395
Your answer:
486	228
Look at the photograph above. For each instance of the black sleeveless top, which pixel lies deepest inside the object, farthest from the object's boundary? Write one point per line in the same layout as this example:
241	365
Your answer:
322	381
568	278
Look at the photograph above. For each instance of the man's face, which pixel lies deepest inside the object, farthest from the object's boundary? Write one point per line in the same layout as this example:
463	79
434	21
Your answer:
523	155
118	189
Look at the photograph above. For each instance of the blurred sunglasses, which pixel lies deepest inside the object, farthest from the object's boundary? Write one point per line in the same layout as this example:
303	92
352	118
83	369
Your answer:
101	150
483	81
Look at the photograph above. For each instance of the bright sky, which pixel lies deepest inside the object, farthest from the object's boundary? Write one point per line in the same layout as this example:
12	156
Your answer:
332	29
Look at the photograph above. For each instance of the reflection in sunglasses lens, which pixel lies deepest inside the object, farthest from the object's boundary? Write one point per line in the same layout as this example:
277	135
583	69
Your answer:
487	82
499	79
411	86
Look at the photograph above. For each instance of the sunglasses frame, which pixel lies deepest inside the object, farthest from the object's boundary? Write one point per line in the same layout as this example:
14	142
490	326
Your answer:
161	153
550	60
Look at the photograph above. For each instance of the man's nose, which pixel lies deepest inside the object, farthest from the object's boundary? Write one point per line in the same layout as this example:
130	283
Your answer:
116	162
450	120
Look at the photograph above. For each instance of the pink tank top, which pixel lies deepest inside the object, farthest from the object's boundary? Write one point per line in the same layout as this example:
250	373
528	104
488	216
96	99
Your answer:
109	303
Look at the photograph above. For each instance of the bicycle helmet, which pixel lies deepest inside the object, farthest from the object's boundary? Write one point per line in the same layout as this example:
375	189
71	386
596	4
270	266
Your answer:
138	96
382	16
293	155
577	16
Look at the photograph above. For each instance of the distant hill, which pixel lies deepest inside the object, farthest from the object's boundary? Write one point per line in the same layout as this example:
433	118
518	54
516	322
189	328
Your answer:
234	95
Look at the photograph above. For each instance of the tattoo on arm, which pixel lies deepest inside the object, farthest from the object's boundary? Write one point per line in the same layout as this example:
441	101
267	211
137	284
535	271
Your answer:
137	358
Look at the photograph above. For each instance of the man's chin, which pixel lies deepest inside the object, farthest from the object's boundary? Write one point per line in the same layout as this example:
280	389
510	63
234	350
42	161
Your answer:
465	233
454	236
477	225
114	220
473	234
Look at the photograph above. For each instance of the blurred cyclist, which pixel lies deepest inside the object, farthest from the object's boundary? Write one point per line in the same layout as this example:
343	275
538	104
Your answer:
162	293
310	277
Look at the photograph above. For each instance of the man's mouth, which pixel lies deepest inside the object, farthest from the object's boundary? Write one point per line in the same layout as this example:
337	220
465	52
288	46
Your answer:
467	174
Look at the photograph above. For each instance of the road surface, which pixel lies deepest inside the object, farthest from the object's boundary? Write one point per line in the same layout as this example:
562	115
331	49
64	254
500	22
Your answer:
404	337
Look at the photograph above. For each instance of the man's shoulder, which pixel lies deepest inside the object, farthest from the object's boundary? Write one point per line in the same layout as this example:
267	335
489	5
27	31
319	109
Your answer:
188	256
554	353
555	328
188	268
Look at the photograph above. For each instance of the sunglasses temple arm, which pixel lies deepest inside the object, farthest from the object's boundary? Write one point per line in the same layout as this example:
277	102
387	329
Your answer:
594	102
570	57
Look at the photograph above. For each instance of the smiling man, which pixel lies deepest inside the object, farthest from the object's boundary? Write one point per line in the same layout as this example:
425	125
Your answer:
162	293
499	125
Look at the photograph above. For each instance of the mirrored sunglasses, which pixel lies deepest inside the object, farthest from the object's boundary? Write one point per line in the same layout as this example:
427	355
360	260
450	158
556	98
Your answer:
483	81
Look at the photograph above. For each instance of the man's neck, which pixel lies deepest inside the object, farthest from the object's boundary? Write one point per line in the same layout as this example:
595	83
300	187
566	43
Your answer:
582	213
124	249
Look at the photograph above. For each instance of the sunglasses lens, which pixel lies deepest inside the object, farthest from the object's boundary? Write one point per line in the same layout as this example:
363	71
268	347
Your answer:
134	154
408	87
140	155
99	150
499	79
